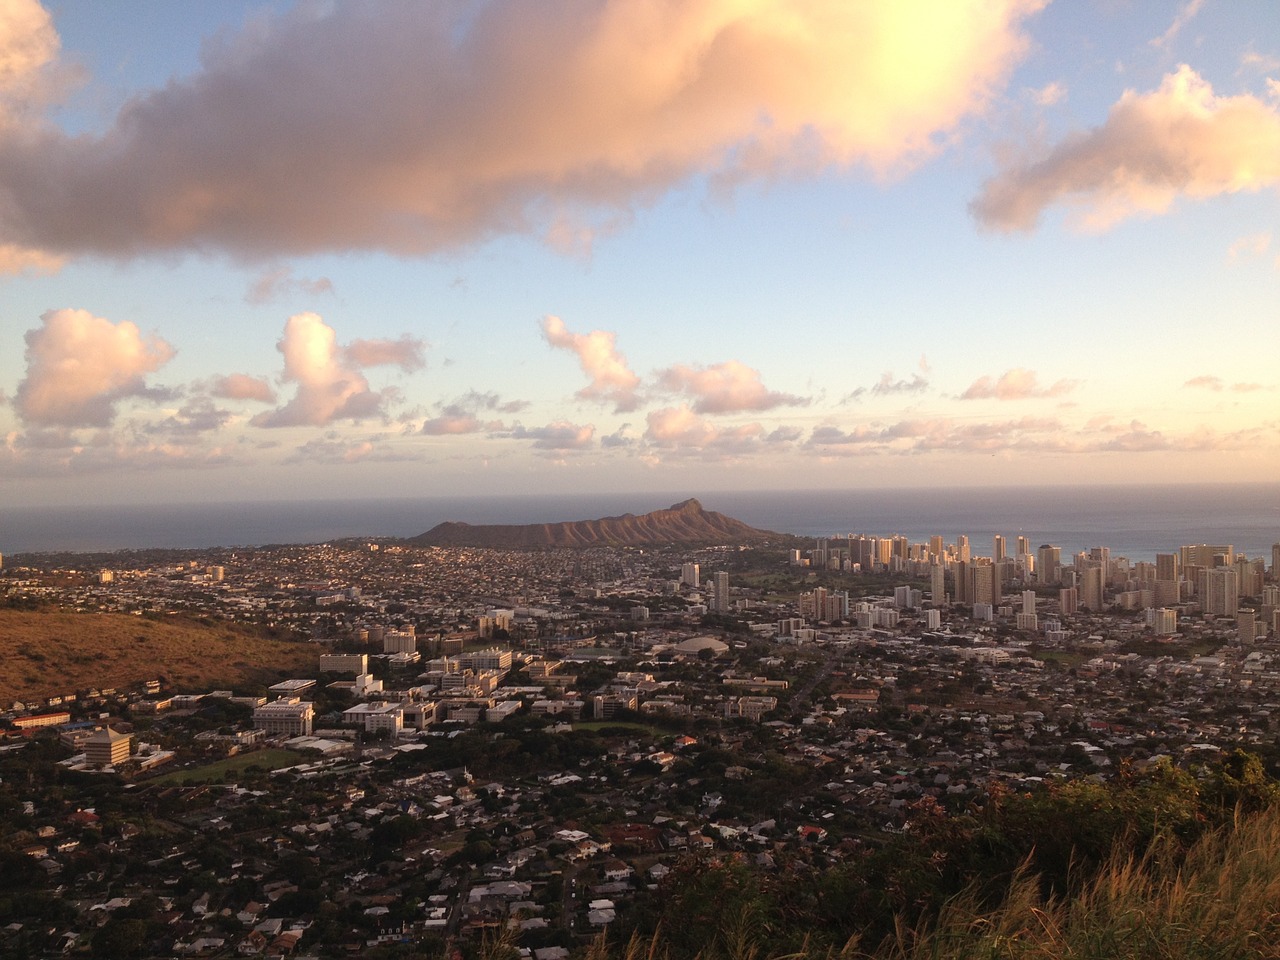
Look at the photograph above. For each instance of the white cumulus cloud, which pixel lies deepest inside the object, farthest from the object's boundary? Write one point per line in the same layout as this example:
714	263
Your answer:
80	366
330	385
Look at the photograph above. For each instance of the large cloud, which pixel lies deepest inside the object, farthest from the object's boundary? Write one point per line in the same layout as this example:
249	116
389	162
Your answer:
80	366
330	384
1154	147
729	387
417	127
28	47
611	379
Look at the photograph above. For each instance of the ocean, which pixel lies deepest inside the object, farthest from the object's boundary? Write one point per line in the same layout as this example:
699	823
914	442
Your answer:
1135	522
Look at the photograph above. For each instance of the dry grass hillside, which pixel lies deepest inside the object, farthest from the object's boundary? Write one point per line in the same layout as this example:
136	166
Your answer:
45	654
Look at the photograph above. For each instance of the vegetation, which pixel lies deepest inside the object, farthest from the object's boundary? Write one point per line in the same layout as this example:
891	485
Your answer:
1158	863
228	769
51	653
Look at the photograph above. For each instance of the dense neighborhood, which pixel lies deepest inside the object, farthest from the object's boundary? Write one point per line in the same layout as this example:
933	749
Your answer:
532	747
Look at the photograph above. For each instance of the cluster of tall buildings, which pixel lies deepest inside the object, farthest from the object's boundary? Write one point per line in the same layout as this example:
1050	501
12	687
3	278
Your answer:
1212	576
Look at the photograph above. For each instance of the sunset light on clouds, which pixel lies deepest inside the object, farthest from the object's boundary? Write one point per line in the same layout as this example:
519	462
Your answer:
372	249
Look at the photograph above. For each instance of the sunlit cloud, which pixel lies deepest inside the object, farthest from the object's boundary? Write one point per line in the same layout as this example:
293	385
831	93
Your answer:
29	47
1181	140
1016	384
330	385
729	387
241	386
416	128
681	430
79	367
612	381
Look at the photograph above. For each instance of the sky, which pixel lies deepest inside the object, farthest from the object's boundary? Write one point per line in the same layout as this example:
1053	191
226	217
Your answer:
270	250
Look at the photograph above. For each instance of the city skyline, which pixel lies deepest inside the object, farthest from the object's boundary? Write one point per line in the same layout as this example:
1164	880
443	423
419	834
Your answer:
261	251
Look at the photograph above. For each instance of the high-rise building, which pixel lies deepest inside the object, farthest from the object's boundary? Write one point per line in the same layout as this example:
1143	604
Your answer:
937	583
1049	563
1091	588
1068	601
1024	545
721	598
1164	622
1246	626
689	573
962	548
1275	561
938	548
997	548
1166	566
1028	601
984	587
1219	594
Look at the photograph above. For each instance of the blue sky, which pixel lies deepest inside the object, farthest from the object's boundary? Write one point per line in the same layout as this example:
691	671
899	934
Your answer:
255	251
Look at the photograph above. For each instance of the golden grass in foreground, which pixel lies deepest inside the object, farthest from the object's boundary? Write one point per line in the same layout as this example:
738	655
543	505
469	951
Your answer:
1219	902
45	654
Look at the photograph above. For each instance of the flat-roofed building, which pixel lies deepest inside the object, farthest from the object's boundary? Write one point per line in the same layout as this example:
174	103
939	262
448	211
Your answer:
35	721
287	715
356	663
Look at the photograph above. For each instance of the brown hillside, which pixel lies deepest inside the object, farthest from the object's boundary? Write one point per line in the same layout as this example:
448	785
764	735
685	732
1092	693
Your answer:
685	522
44	654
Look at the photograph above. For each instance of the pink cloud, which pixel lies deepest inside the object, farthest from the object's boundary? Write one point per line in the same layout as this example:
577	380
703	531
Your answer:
80	366
729	387
1181	140
241	386
681	430
462	416
407	353
330	384
1016	384
415	128
611	379
1217	385
280	281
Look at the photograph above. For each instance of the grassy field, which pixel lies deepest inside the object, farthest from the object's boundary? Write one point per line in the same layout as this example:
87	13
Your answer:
618	725
51	653
217	771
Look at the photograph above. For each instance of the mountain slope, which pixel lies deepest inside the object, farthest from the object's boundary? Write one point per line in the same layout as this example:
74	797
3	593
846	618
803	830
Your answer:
685	522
